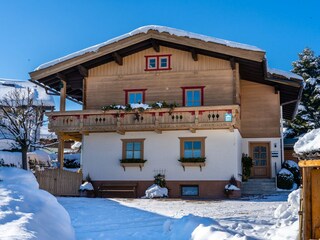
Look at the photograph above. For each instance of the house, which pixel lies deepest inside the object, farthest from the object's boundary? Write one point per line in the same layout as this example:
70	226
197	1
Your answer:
229	103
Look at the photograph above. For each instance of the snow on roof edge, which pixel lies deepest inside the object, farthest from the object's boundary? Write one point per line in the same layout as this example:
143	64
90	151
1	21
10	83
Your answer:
283	73
145	29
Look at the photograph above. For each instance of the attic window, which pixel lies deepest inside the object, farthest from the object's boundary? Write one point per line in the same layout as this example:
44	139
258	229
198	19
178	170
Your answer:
158	62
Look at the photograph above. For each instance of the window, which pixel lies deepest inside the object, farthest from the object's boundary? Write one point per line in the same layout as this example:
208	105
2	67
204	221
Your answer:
190	190
192	147
158	62
135	96
132	148
192	96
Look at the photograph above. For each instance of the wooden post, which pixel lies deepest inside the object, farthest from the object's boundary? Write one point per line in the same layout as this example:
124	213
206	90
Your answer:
236	83
63	94
306	196
315	200
61	150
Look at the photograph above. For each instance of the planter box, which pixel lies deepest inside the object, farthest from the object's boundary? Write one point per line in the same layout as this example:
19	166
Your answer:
193	164
139	165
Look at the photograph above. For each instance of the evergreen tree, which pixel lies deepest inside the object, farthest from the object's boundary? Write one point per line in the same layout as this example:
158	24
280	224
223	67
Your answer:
308	116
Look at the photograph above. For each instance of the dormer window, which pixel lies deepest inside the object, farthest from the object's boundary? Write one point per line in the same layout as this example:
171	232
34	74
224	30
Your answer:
158	62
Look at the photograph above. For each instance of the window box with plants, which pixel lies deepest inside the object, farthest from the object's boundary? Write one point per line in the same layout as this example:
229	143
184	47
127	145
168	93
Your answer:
193	162
132	162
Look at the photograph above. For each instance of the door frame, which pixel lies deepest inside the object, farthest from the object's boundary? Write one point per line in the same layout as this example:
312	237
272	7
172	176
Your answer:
268	157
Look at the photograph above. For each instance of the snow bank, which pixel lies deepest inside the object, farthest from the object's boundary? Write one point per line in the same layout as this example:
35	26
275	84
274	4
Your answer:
287	226
156	191
198	228
27	212
145	29
310	142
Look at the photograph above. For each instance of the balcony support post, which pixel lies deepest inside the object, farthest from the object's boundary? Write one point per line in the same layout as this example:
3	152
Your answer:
61	150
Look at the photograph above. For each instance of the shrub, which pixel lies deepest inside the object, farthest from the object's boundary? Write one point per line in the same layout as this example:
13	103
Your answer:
294	169
247	164
285	179
71	163
160	180
3	164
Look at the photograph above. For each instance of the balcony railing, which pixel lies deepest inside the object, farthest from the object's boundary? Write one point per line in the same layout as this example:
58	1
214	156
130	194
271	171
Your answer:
180	118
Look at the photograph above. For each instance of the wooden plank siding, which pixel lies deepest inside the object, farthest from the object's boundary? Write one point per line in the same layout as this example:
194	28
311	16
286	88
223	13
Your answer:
260	110
106	83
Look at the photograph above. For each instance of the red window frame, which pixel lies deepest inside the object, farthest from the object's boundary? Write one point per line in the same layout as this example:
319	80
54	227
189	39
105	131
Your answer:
192	88
127	91
158	67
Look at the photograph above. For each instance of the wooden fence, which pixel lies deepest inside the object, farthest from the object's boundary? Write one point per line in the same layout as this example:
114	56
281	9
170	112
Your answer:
59	182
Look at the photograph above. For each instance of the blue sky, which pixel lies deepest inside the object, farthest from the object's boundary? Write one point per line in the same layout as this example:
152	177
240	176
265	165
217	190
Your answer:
33	32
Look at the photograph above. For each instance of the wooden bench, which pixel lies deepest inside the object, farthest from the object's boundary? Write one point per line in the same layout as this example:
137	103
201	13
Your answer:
117	189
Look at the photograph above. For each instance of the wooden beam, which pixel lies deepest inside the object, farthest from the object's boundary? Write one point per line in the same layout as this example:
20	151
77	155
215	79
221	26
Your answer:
121	132
117	58
232	63
158	131
83	71
155	45
194	54
192	130
315	203
63	94
309	163
61	76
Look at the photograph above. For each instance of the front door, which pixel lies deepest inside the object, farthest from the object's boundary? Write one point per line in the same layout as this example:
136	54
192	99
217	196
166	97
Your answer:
259	152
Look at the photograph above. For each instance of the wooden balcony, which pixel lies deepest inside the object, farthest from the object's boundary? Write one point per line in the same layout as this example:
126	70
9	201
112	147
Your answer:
158	120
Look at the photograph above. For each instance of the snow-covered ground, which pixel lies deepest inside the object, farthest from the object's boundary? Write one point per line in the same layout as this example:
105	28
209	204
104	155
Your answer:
269	217
26	212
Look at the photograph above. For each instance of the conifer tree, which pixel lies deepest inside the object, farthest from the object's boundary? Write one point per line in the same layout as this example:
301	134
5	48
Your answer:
308	116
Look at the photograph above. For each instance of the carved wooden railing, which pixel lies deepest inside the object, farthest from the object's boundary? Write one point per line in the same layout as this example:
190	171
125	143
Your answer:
180	118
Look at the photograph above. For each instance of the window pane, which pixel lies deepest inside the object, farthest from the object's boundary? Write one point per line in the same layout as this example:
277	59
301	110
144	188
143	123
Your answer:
138	98
197	145
196	153
137	146
196	94
129	146
187	145
129	154
136	154
131	98
152	63
163	62
188	153
189	190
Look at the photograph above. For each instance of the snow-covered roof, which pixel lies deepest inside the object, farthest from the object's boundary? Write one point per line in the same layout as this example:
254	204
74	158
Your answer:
145	29
40	97
284	74
308	146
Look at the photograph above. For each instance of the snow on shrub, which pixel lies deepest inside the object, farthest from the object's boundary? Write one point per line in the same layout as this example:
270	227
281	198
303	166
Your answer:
293	167
285	179
86	186
28	212
156	191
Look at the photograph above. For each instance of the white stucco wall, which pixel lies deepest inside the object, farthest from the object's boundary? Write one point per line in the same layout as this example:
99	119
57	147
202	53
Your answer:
101	153
275	146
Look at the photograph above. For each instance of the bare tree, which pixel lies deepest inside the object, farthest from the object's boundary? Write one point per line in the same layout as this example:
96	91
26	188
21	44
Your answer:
20	119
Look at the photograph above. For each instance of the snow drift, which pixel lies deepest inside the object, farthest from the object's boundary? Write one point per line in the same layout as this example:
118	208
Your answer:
26	212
